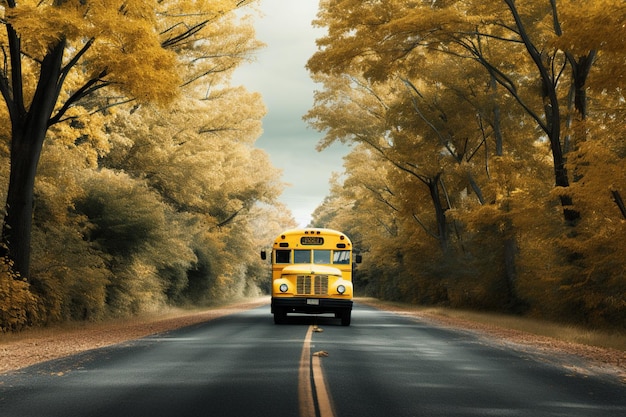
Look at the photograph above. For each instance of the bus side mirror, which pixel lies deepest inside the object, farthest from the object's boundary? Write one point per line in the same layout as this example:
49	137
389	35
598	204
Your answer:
358	259
263	255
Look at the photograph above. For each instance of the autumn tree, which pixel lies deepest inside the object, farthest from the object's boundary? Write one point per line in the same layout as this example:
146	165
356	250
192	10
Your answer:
395	38
421	130
360	203
364	115
524	82
200	158
177	184
124	46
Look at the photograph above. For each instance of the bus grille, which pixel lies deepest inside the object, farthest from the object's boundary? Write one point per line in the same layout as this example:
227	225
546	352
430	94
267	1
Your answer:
321	284
318	283
304	284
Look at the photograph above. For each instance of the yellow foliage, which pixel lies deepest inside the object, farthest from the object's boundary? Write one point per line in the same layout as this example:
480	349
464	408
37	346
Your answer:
474	128
588	25
174	171
43	24
121	38
19	307
596	26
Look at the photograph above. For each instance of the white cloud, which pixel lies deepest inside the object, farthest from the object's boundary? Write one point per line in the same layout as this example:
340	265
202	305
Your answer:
279	74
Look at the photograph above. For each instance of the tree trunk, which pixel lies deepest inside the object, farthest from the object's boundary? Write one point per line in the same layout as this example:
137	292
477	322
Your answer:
552	113
617	198
27	136
580	71
510	268
440	214
497	129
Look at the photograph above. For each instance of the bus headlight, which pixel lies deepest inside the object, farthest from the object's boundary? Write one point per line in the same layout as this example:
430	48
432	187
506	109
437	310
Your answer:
283	288
341	289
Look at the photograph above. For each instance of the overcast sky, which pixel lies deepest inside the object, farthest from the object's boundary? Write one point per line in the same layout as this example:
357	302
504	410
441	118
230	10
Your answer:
279	75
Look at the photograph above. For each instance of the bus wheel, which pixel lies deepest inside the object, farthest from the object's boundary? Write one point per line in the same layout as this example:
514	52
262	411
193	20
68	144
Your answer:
279	317
345	318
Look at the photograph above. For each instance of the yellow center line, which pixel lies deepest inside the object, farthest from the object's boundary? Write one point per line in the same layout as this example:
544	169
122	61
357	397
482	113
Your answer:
305	391
323	398
305	386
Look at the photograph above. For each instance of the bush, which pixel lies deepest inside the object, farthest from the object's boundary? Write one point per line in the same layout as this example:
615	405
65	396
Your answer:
19	307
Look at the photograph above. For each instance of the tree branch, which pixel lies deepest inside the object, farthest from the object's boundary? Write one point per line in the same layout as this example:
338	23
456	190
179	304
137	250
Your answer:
617	198
229	218
429	232
88	88
445	143
14	92
189	32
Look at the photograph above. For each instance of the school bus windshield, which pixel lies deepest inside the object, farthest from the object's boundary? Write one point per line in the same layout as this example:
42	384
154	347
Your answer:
316	256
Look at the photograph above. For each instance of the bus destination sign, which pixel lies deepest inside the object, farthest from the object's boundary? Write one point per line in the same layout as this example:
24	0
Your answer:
311	240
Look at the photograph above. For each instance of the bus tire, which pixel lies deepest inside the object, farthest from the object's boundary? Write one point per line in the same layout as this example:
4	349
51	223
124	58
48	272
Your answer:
279	316
345	318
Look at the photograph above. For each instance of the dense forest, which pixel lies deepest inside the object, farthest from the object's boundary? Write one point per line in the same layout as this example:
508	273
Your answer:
487	167
488	162
148	189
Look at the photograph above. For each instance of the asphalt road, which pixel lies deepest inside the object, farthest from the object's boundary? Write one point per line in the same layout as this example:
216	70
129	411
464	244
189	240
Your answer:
244	365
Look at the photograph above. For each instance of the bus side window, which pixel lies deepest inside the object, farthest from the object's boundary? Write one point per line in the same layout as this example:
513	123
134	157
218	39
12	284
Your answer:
302	256
341	257
283	256
321	256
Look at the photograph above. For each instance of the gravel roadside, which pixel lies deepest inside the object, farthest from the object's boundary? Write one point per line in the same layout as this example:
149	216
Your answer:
39	345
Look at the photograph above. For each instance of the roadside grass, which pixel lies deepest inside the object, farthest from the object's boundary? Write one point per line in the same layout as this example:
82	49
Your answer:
562	332
166	318
565	333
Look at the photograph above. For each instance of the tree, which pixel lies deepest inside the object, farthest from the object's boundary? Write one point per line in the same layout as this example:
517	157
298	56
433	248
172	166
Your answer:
384	39
121	46
465	63
199	157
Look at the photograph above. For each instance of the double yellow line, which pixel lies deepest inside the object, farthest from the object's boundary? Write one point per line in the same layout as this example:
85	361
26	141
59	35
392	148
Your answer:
311	377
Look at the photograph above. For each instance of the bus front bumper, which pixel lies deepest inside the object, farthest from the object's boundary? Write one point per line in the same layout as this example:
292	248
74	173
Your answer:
310	305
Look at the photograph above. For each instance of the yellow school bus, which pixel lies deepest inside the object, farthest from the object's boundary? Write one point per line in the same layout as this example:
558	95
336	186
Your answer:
312	273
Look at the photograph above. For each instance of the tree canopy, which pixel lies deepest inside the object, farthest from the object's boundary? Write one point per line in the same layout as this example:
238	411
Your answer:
492	134
125	137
